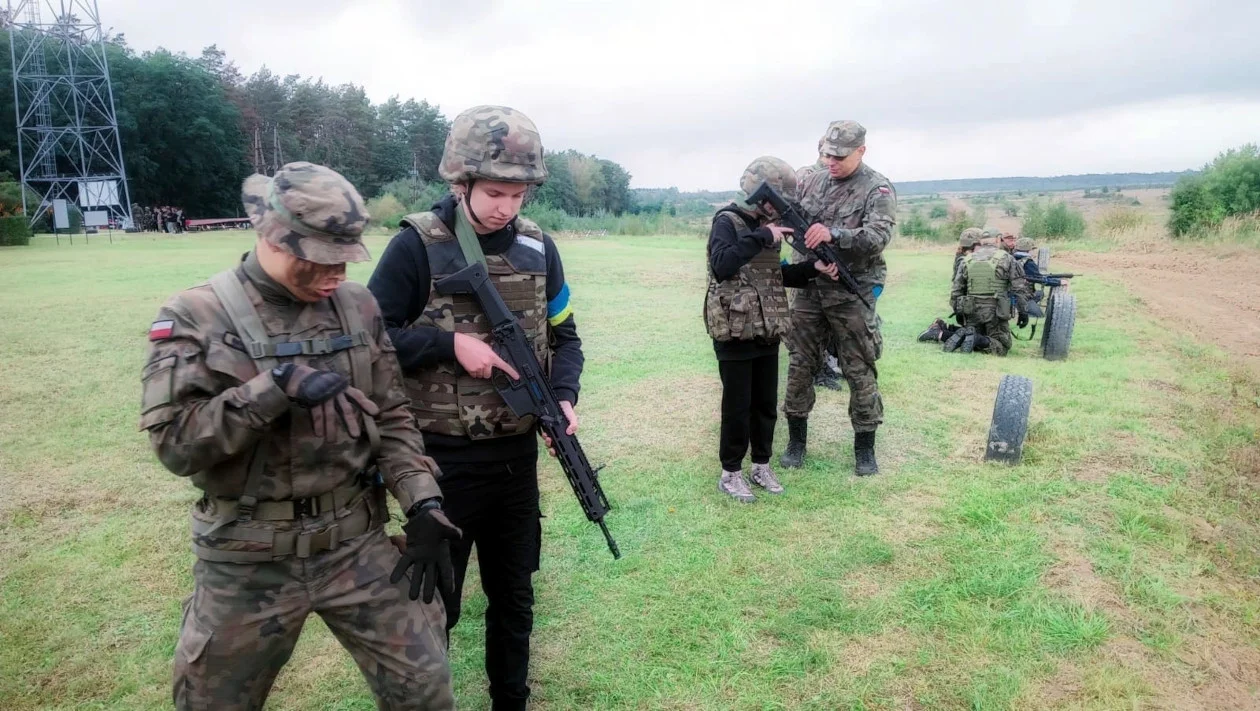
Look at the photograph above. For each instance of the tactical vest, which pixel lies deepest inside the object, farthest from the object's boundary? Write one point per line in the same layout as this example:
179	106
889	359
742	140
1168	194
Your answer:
753	303
444	399
982	273
233	516
983	285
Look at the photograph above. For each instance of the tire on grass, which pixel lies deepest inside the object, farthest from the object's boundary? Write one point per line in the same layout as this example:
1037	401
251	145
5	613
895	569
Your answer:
1057	338
1010	420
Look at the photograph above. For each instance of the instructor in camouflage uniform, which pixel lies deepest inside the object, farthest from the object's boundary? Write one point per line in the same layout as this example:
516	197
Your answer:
275	389
986	283
489	457
853	207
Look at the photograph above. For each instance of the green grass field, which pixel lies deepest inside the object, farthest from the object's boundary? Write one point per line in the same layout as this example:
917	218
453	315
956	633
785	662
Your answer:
1116	568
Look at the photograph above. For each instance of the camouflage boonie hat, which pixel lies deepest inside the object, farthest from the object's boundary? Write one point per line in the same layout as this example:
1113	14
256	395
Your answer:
970	237
775	171
309	211
842	138
1025	244
493	143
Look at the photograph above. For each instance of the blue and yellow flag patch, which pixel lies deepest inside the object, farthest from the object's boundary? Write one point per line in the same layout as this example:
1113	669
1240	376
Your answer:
558	309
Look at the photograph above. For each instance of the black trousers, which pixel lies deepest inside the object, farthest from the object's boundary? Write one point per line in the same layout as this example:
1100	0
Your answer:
750	391
496	506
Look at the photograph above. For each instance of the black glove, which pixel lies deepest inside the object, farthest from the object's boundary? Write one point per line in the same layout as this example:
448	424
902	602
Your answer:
306	386
328	396
1022	321
429	536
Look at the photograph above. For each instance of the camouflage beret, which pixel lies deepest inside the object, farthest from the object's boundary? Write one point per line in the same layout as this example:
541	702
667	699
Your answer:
493	143
775	171
309	211
842	138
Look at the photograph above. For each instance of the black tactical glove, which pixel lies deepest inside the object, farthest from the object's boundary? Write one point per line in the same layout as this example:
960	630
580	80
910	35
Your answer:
1022	321
429	536
328	396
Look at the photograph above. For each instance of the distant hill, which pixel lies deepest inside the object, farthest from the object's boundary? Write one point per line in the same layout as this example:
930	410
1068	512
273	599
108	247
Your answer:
701	201
1059	182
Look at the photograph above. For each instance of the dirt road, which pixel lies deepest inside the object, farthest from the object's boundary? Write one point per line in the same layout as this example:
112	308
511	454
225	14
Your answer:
1216	295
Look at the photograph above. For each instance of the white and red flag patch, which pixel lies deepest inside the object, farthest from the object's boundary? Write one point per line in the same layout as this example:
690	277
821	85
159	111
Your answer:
161	330
884	190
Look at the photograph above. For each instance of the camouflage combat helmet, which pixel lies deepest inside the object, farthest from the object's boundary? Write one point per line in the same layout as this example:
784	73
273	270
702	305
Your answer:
493	143
1025	244
774	171
970	237
309	211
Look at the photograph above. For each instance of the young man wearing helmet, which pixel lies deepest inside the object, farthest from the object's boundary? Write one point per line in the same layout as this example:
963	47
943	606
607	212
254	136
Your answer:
488	457
746	314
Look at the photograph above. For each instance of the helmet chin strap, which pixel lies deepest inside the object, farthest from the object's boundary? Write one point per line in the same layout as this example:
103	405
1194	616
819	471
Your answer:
468	202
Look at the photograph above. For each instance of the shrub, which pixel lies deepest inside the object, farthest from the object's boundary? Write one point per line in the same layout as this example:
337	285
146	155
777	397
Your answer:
1055	220
1229	185
14	232
1121	220
938	212
916	226
959	221
386	211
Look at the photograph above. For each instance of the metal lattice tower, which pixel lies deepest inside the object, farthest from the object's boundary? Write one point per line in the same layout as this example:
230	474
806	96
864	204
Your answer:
67	129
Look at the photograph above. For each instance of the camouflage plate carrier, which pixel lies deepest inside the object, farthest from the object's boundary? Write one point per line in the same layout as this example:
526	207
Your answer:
445	399
983	285
754	303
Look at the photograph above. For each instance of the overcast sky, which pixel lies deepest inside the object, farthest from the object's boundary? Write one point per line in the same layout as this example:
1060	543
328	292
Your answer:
686	93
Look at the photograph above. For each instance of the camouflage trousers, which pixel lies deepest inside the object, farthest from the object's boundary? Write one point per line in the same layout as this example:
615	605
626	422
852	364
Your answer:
243	620
816	314
987	323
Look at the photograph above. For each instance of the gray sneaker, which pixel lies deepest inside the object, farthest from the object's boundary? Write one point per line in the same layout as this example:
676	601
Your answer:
733	485
763	476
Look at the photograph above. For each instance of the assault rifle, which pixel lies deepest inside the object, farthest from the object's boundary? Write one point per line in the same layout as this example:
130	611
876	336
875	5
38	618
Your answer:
1061	276
791	217
531	394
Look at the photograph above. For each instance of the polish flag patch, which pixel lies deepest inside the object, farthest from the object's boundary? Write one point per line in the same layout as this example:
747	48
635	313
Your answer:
884	190
161	330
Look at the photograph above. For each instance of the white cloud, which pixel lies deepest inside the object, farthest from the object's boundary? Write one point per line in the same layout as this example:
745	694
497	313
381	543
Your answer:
686	93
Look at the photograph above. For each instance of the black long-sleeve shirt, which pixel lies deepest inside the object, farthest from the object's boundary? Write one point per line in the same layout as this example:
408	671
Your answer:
729	250
401	284
1033	274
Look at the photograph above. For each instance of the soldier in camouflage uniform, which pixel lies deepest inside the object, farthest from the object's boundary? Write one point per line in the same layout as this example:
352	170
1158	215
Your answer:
853	207
489	457
746	315
983	291
275	389
940	331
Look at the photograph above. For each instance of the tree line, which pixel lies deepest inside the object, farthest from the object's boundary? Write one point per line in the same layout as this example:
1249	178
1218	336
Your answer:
192	128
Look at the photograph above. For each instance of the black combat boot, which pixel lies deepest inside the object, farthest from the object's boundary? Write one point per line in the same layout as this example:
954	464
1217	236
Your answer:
864	453
969	341
933	332
956	340
981	343
794	456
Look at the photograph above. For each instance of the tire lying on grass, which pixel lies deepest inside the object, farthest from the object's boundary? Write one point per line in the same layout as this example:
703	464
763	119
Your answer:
1056	339
1010	420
